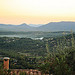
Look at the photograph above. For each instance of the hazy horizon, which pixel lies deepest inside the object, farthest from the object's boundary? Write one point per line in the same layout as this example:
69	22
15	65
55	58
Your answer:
35	24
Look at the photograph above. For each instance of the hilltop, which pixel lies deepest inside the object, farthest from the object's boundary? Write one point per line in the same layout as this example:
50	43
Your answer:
52	26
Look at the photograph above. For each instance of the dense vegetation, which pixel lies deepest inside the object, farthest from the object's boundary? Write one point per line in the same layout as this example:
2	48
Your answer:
20	49
54	55
61	60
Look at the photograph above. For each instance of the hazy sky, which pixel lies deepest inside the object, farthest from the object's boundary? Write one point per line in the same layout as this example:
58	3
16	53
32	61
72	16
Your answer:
36	11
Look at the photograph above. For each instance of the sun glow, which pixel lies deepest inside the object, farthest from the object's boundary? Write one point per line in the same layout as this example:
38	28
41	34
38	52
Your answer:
36	11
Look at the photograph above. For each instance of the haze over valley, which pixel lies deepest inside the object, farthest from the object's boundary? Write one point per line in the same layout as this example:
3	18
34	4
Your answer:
51	29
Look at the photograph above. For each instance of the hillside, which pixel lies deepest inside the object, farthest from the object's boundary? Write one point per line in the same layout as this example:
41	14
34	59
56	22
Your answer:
30	52
58	26
53	26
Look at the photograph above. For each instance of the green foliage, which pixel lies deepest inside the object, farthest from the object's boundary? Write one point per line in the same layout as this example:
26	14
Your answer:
62	61
24	52
4	71
23	45
23	73
52	53
1	69
14	74
45	68
47	48
61	67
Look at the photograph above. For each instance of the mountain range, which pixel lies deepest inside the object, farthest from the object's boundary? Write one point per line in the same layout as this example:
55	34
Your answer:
52	26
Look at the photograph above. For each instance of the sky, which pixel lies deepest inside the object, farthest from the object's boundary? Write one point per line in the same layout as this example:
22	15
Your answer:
36	11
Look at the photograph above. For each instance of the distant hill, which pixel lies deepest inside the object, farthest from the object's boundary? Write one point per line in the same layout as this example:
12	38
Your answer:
58	26
52	26
21	27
